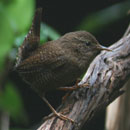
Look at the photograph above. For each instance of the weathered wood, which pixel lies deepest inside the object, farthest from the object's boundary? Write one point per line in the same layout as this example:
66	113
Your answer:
106	75
118	112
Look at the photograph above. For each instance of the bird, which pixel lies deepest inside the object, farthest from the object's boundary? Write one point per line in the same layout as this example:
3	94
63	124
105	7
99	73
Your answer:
57	63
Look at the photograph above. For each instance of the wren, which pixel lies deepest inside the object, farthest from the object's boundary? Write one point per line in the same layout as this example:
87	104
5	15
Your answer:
56	63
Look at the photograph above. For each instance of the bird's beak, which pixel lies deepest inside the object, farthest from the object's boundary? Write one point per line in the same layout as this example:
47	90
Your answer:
103	48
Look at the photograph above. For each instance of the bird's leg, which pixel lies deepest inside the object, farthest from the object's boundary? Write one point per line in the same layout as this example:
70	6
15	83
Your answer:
65	96
75	87
69	89
55	113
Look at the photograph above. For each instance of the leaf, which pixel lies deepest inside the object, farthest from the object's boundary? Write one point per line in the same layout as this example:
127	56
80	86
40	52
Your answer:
20	14
11	102
15	18
48	32
97	21
6	36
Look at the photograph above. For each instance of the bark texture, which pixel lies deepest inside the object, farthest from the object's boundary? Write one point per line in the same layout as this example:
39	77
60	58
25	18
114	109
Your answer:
106	76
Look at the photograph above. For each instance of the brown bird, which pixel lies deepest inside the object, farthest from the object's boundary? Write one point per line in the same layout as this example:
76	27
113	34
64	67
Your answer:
56	63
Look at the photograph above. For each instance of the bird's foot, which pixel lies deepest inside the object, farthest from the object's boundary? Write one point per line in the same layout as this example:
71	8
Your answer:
75	87
72	88
63	117
59	115
65	97
83	85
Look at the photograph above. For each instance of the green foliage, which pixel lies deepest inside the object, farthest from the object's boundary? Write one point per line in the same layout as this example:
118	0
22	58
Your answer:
11	102
15	18
48	32
97	21
20	14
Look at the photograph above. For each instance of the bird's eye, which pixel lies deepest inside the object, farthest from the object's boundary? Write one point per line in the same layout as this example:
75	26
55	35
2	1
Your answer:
88	43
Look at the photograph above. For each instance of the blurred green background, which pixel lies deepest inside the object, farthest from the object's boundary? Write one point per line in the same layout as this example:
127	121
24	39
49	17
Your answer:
20	107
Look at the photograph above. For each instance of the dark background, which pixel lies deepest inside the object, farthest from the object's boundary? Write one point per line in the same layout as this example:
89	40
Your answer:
65	16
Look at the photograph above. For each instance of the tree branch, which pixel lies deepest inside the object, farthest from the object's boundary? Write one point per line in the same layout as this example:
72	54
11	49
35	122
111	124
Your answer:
106	75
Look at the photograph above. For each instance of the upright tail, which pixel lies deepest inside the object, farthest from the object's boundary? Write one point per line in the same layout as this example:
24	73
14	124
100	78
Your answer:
32	39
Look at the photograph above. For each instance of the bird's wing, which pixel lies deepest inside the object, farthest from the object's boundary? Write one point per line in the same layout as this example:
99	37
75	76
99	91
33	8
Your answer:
44	59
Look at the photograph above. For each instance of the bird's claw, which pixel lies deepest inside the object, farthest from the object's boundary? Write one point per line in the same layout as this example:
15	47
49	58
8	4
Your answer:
59	115
63	117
